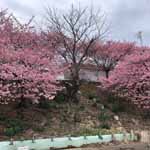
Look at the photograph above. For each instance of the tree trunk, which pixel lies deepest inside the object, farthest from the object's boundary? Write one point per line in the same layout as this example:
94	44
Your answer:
22	103
72	89
107	74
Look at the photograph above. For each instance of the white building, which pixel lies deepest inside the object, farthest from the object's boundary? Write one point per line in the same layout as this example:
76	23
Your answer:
88	72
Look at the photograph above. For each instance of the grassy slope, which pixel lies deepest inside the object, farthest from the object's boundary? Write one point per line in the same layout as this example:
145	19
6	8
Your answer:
57	118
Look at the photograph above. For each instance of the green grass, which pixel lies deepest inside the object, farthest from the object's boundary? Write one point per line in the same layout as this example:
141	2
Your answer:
96	131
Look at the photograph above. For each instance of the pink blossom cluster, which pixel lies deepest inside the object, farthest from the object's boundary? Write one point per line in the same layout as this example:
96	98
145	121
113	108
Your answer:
131	77
27	65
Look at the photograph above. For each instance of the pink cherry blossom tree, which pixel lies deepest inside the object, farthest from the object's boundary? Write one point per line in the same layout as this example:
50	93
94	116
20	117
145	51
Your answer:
108	54
131	78
27	68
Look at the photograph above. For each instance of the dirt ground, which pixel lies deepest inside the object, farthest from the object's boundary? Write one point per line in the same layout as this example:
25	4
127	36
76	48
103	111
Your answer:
131	146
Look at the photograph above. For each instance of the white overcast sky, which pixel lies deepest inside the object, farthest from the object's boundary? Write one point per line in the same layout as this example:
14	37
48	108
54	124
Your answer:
126	17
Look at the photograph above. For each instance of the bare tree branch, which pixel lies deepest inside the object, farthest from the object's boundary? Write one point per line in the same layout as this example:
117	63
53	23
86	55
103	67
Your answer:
76	30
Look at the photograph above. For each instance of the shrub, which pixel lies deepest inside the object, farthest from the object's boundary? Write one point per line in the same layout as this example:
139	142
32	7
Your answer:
2	117
117	107
82	108
111	98
14	126
18	129
38	129
9	132
95	131
92	96
103	116
105	126
114	102
60	97
14	123
46	104
13	131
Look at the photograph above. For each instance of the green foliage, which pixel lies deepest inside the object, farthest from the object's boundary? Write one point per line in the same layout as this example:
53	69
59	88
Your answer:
2	117
38	129
94	131
91	96
116	103
111	98
10	132
60	97
18	129
103	116
14	126
82	108
46	104
117	107
14	122
87	132
105	126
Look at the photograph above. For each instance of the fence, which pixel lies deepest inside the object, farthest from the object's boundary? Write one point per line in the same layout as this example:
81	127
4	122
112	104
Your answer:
45	144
